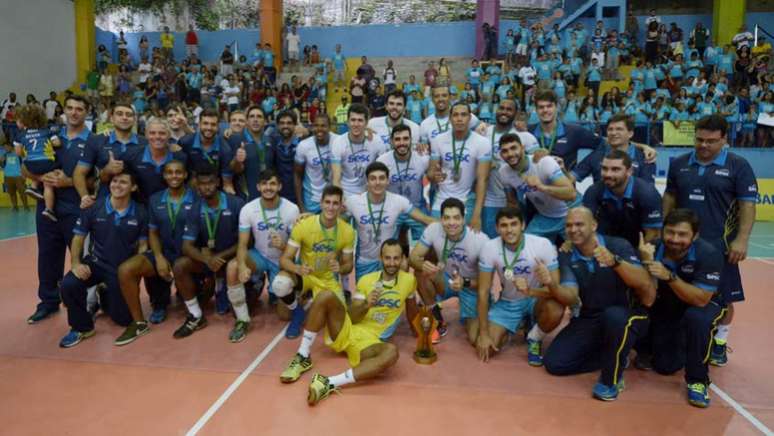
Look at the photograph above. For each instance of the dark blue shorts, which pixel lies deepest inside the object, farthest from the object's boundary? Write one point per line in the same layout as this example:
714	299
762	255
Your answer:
40	167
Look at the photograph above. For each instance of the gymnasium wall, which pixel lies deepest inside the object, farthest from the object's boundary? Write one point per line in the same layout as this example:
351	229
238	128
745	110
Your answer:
37	39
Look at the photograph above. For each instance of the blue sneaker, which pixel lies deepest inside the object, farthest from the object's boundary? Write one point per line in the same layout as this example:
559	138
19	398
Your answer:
534	352
74	338
158	315
607	393
222	305
698	395
718	356
297	317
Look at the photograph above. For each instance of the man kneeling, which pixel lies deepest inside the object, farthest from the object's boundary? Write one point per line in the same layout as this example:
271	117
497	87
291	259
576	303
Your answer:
373	317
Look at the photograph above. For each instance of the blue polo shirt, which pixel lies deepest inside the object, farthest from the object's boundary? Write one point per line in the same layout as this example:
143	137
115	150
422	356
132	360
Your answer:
712	191
97	155
218	155
598	287
592	164
68	156
150	177
161	212
227	230
114	235
701	267
625	217
568	139
282	158
256	150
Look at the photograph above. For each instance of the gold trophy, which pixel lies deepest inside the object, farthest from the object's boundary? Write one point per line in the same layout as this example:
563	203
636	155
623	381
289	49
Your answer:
424	323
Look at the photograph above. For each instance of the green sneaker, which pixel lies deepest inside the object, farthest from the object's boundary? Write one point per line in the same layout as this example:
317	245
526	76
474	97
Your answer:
134	330
297	366
239	332
319	389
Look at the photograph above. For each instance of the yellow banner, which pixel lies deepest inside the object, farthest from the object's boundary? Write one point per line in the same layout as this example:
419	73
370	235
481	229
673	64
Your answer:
764	209
679	135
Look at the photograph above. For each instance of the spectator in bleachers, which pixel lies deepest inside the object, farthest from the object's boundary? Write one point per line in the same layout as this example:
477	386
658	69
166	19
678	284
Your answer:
191	42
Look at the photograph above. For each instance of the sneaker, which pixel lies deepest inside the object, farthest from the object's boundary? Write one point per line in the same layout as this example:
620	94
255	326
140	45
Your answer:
222	305
239	332
319	389
534	352
158	315
718	356
74	338
40	314
34	193
698	395
297	366
297	317
48	213
190	325
443	328
607	393
643	362
133	331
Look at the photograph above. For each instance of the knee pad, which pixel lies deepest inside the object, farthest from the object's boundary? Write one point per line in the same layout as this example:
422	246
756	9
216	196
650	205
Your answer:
282	286
236	295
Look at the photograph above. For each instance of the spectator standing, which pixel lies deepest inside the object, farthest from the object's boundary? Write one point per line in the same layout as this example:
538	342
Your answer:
191	42
294	42
167	44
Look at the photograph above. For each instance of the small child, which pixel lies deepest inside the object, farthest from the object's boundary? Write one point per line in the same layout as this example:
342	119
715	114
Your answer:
35	144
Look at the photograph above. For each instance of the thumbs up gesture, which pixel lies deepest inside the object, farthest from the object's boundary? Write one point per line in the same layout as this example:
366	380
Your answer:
114	166
542	273
241	153
646	249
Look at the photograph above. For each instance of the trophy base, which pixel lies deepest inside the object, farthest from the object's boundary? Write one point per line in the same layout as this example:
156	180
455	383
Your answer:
425	358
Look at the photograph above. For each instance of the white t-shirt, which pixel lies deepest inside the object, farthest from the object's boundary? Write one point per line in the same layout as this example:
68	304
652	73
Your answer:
51	108
314	163
547	171
232	93
463	255
527	75
433	126
495	192
354	158
144	69
474	150
293	41
262	222
378	224
494	255
380	127
390	75
406	177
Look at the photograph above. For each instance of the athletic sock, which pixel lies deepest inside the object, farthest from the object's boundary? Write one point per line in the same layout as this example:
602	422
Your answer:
721	336
193	307
342	379
236	294
290	301
306	343
536	334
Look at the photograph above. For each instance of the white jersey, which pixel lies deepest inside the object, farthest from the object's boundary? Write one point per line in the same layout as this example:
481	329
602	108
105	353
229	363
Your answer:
495	255
462	256
317	167
547	170
381	129
433	126
262	222
495	192
378	224
406	177
354	158
475	149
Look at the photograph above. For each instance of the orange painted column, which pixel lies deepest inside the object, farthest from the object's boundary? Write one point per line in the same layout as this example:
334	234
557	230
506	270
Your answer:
271	28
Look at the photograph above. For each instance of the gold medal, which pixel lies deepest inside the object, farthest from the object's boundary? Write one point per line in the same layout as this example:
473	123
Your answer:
211	244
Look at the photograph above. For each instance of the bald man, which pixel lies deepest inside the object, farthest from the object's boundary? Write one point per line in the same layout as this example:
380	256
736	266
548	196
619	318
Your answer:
604	272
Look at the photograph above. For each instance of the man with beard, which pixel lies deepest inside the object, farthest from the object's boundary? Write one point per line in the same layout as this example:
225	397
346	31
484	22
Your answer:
362	331
604	276
620	130
281	154
250	151
209	241
407	170
312	168
382	126
495	192
687	271
167	212
528	270
118	228
439	122
207	148
543	183
458	159
353	152
622	204
269	220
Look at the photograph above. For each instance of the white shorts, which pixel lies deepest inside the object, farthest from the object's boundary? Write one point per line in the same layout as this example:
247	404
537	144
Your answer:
293	55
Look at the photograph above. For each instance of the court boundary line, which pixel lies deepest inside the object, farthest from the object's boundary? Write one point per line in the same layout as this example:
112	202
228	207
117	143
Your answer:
741	410
197	427
13	238
766	260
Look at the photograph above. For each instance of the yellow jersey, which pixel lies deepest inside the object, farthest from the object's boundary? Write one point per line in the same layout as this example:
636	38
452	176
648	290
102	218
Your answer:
383	318
317	245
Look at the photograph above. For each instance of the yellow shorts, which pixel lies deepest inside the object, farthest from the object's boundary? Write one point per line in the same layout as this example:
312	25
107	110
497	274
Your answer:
316	285
352	339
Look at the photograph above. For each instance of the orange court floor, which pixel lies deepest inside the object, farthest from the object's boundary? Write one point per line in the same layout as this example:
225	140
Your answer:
205	385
